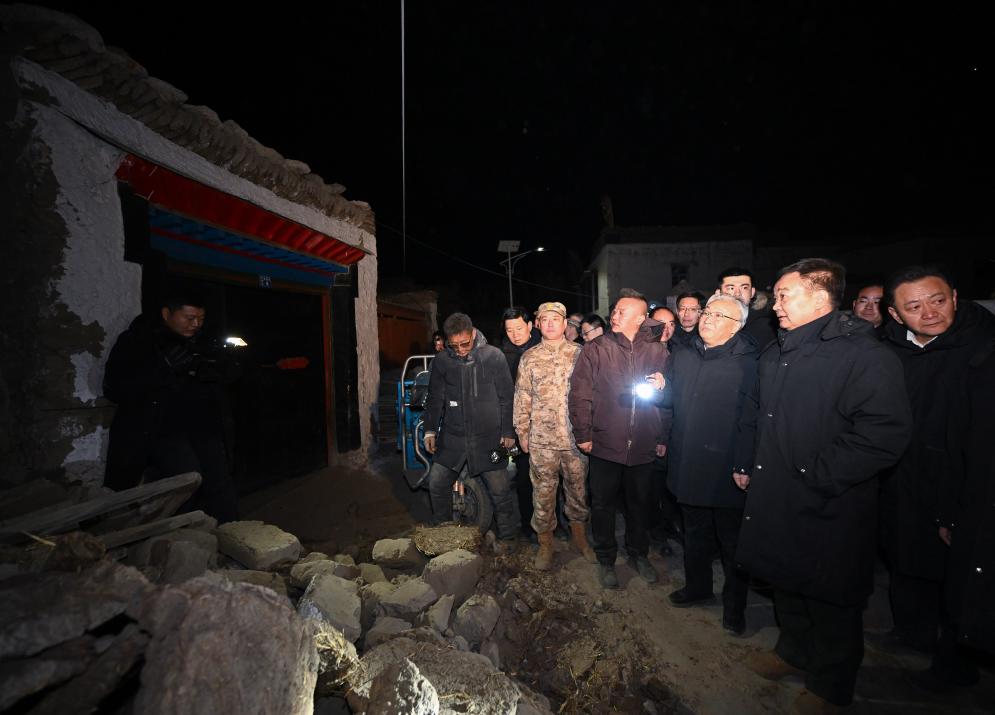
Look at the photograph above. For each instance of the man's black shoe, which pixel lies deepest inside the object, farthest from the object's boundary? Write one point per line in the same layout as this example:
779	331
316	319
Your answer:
682	599
734	625
607	576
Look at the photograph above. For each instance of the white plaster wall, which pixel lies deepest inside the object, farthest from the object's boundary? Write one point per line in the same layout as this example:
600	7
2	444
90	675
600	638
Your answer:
368	352
96	284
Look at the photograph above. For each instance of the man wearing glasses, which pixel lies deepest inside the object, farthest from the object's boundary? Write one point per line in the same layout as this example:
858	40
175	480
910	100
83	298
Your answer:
689	307
710	388
574	321
471	393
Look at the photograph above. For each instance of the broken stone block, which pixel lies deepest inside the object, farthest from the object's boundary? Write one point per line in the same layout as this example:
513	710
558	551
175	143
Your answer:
371	573
217	646
455	572
465	682
401	688
25	676
303	571
315	556
437	616
336	657
40	610
344	559
408	600
397	554
140	554
179	561
490	649
258	546
266	579
334	600
476	618
371	596
383	629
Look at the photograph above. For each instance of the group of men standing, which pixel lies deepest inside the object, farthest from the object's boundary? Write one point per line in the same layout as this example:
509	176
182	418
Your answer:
789	454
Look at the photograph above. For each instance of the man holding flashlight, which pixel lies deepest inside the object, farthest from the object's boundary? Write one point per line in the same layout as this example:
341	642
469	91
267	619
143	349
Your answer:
621	430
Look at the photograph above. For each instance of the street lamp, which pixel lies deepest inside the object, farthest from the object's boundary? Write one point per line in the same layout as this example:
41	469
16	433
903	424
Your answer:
511	247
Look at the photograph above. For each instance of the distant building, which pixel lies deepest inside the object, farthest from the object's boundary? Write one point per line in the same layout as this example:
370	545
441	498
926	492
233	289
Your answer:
657	259
113	187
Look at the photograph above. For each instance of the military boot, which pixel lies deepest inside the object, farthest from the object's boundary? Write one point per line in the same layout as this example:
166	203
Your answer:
544	557
580	541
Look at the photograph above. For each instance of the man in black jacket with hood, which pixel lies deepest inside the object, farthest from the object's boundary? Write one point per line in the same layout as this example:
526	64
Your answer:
832	414
467	415
936	337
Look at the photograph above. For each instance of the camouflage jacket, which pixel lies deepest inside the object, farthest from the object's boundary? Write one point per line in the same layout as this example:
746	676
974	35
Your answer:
541	395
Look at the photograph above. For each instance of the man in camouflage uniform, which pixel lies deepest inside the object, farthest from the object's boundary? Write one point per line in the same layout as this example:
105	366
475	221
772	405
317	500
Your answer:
543	428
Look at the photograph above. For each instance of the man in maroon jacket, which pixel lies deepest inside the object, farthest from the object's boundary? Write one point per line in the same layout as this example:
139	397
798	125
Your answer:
615	394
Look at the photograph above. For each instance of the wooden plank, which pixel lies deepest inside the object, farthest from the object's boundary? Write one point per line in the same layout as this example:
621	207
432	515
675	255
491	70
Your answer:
155	528
54	521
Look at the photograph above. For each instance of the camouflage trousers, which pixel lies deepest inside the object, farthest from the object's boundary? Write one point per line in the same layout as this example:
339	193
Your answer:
545	466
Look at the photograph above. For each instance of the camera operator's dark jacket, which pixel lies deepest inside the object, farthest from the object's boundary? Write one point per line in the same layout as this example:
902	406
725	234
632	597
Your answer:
713	396
469	406
832	414
148	375
919	495
603	408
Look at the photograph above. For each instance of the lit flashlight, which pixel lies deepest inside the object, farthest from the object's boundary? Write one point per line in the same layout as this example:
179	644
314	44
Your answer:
644	390
236	341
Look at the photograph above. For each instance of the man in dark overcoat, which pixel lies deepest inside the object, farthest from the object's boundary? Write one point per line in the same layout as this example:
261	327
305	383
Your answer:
832	414
468	414
936	337
172	411
711	389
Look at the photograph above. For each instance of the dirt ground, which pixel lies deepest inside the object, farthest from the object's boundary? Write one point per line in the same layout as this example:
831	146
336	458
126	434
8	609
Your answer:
590	650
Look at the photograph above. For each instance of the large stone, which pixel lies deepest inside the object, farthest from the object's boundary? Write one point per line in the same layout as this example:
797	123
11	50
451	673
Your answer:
315	556
455	572
371	596
383	629
40	610
476	618
179	561
372	573
438	615
302	572
223	647
465	682
491	650
258	546
335	601
397	554
266	579
140	553
401	688
346	559
336	657
409	600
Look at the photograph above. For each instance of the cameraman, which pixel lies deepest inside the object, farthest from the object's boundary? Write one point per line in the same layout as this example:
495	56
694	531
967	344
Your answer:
471	394
172	411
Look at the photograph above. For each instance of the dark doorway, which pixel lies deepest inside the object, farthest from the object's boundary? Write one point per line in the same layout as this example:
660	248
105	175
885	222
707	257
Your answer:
279	402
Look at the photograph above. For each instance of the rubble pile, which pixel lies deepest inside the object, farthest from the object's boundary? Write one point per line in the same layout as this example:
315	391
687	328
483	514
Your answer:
238	618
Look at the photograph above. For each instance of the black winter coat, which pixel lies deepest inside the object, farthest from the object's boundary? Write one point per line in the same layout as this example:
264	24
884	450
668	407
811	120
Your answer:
832	414
163	384
470	406
513	353
713	397
970	584
920	493
603	408
761	325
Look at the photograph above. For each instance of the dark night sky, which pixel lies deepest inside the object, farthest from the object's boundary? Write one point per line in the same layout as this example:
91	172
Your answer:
806	117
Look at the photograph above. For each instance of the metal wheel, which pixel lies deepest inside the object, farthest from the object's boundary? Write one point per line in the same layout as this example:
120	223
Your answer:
476	508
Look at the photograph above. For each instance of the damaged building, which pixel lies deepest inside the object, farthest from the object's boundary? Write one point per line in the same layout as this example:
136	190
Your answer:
113	187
